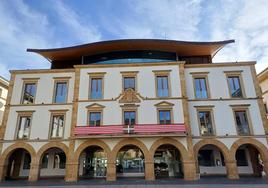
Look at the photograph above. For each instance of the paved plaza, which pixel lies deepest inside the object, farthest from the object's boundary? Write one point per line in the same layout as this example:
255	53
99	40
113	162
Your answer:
208	182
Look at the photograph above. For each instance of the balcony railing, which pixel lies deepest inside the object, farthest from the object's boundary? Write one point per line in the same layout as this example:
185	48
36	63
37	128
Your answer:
132	129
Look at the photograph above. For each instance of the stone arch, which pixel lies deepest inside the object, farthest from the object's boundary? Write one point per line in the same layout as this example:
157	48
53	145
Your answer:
262	149
48	146
19	145
89	143
175	143
221	146
129	141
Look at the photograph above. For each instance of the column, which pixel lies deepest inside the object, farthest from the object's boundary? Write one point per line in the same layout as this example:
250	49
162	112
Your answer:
111	171
265	167
34	172
189	170
231	169
149	171
71	172
3	169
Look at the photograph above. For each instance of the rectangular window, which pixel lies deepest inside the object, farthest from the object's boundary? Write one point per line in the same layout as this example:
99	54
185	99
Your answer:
60	95
164	117
206	158
27	161
200	88
129	82
96	88
241	159
129	117
162	86
94	118
29	93
57	126
235	86
24	127
206	127
242	122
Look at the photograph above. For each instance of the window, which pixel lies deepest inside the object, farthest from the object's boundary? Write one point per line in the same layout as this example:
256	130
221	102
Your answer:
200	88
59	160
205	122
129	117
1	91
265	107
29	93
94	118
45	161
24	127
129	82
96	88
242	122
27	161
235	86
164	117
241	159
57	126
206	158
162	86
60	95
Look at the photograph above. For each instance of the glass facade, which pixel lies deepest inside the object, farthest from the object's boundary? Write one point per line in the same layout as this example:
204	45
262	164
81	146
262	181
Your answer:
200	88
61	92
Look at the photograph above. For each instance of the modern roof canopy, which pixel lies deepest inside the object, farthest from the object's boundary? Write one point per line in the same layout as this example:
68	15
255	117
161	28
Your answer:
182	48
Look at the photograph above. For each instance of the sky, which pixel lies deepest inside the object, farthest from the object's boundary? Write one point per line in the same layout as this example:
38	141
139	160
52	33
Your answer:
61	23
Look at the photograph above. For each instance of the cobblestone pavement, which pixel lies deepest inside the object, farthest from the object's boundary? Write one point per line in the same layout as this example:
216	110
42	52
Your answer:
208	182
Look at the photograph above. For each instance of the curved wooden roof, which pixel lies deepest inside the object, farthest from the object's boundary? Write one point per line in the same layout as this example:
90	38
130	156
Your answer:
182	48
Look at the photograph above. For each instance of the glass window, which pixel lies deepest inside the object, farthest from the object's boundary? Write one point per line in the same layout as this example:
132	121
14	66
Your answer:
162	86
129	82
205	123
206	158
164	117
130	117
29	93
242	122
57	126
45	161
235	87
24	127
241	159
27	161
60	92
59	160
96	88
200	88
94	119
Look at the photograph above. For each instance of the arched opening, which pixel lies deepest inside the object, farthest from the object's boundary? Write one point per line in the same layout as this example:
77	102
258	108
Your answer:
130	162
167	162
53	163
211	161
249	161
93	162
18	164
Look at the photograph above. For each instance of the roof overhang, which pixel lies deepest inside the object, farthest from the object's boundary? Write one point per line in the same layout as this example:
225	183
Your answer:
182	48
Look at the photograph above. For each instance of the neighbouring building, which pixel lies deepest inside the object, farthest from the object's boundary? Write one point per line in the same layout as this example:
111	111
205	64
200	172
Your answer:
263	80
128	108
3	96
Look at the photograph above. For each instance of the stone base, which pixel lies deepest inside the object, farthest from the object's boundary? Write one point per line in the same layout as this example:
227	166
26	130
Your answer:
232	171
189	168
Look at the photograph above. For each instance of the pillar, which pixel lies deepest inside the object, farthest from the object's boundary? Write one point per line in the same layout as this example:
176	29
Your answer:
256	167
17	164
34	172
189	170
3	169
149	171
265	167
111	171
71	171
231	169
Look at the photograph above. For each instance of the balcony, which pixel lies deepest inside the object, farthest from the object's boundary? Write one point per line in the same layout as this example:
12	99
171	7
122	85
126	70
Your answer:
138	129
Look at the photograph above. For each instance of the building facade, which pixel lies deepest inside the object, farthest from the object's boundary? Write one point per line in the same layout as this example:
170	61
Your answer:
263	80
3	96
128	108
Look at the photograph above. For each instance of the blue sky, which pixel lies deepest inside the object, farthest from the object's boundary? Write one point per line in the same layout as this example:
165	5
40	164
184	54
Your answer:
58	23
